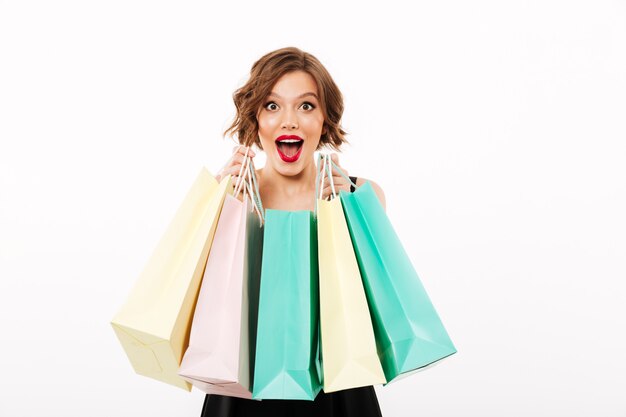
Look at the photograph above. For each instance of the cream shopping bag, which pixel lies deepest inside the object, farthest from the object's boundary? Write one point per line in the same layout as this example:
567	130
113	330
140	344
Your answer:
153	324
349	352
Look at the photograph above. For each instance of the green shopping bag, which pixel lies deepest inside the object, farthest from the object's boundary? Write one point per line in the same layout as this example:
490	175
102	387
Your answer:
409	333
287	357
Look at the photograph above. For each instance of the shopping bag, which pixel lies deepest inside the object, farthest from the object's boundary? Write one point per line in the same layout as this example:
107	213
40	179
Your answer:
348	343
286	363
153	324
409	332
223	330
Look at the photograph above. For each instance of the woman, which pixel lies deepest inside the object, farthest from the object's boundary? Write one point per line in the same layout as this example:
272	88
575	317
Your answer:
290	108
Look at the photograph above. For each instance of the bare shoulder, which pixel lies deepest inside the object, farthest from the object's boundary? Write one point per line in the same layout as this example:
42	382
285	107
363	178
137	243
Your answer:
377	189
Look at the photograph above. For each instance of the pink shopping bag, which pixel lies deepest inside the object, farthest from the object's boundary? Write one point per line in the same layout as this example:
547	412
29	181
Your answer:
223	330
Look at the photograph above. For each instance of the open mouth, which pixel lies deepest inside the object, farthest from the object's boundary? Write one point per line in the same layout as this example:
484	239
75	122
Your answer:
289	148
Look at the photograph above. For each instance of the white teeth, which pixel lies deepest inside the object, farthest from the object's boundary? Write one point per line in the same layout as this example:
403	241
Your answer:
290	141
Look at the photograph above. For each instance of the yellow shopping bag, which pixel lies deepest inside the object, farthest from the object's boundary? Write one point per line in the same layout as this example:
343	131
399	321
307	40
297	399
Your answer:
348	345
154	323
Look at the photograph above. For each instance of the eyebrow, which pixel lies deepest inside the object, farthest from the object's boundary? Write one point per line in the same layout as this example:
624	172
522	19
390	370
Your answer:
300	96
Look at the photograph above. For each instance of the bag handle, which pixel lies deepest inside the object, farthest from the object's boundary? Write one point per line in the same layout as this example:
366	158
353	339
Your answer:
249	184
325	165
246	182
343	174
240	177
320	178
329	172
253	191
255	185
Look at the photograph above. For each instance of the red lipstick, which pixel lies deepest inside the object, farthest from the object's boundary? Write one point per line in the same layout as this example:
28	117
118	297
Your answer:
289	147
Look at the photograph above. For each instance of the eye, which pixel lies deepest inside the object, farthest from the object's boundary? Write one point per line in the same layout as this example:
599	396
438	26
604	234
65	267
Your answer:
270	103
310	106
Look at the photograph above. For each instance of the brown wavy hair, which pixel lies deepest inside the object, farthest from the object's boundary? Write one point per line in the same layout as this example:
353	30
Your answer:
264	74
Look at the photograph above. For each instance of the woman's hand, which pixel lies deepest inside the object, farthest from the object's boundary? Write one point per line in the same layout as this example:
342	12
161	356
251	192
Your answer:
233	165
343	184
339	181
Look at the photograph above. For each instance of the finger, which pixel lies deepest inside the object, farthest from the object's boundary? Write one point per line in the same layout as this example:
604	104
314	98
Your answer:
241	150
340	174
233	165
336	171
236	164
237	159
328	191
228	166
233	177
340	186
232	170
339	179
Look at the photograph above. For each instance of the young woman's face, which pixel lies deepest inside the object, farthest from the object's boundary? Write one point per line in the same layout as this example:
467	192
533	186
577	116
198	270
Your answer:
291	123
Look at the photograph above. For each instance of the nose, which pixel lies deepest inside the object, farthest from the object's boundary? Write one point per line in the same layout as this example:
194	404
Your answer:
289	121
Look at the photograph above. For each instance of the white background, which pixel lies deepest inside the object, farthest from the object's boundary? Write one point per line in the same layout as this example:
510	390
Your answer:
496	129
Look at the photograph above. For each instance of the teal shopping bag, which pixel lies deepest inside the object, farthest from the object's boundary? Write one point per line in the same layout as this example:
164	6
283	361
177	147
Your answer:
409	333
286	362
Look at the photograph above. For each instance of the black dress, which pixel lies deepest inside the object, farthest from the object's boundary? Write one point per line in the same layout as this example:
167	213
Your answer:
360	402
347	403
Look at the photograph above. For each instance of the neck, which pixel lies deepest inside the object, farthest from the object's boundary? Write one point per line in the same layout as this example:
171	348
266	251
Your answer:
303	182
